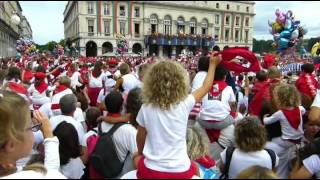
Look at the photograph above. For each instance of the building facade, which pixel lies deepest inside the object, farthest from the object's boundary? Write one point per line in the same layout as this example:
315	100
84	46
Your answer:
9	32
26	28
164	28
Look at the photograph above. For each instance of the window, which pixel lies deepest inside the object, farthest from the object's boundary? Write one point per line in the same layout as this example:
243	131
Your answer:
238	7
237	21
122	27
181	28
137	12
226	35
228	6
204	27
217	5
217	19
227	20
122	11
246	36
247	9
247	21
137	30
154	23
107	27
193	26
217	34
90	7
167	25
237	35
106	8
90	27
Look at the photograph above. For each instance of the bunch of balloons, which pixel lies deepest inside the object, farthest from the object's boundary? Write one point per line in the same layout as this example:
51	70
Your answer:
286	31
122	44
315	51
26	46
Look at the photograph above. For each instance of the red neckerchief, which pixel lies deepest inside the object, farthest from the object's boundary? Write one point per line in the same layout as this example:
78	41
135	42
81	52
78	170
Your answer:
221	86
206	161
60	88
239	83
293	116
114	115
94	75
41	87
28	75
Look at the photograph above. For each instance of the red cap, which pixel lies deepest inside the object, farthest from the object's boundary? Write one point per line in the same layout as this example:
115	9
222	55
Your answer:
40	75
112	61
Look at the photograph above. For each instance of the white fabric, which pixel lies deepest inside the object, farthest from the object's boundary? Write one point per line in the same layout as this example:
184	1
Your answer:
312	164
51	174
96	82
124	138
198	80
217	110
288	132
133	175
75	79
242	160
108	82
74	169
165	147
129	82
36	97
78	115
56	98
55	121
316	101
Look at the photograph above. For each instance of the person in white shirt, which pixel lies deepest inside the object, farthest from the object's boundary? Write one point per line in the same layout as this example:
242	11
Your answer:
96	83
251	138
127	81
314	115
290	116
161	140
143	68
63	88
17	138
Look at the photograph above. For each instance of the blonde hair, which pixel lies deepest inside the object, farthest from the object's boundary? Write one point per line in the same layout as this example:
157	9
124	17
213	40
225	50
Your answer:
124	69
287	96
274	73
197	143
14	114
65	80
166	83
257	172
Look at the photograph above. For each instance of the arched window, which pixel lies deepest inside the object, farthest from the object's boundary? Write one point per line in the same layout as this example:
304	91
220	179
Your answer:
228	6
154	23
217	5
204	26
181	25
167	25
193	26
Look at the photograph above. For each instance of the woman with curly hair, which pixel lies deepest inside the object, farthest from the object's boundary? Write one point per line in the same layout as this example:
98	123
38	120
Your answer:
163	118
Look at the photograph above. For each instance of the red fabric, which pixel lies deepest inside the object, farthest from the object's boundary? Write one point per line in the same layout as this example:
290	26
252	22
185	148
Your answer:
256	102
221	86
293	117
36	106
112	61
55	106
17	88
27	76
239	83
230	53
145	173
60	88
258	86
84	75
41	87
114	114
40	75
307	84
56	73
206	161
269	60
93	94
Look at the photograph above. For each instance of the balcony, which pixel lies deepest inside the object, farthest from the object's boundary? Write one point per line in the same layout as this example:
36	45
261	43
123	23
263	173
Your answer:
180	40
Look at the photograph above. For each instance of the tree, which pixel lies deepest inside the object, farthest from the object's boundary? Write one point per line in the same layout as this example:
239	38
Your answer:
261	46
62	42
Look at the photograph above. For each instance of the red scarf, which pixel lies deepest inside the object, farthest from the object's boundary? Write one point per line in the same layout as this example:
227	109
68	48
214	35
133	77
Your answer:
27	76
293	117
60	88
17	88
83	75
217	88
231	53
206	161
307	84
41	87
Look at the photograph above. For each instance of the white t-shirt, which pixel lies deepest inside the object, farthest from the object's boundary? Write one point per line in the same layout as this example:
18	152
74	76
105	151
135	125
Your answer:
198	80
56	98
165	147
129	82
124	138
288	132
74	169
75	79
217	110
316	101
78	115
55	121
241	160
312	164
108	82
96	82
51	174
37	98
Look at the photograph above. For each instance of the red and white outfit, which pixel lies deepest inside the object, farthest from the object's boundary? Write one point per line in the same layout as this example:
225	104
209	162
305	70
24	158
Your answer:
60	91
307	85
94	88
196	84
38	92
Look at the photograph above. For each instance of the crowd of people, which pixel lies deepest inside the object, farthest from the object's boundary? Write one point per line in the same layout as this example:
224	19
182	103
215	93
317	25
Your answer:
146	117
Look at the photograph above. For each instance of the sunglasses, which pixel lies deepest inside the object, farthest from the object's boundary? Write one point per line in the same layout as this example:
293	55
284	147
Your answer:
35	128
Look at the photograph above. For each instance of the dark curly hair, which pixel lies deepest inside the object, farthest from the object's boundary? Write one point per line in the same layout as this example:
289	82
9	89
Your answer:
134	103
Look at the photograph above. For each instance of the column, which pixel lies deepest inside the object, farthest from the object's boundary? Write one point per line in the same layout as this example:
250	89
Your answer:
99	49
146	51
173	54
160	51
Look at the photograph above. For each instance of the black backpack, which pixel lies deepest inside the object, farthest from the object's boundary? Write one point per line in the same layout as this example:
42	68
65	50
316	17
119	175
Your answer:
104	158
229	153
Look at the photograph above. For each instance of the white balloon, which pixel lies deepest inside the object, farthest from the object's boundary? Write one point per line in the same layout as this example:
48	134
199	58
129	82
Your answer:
15	19
295	34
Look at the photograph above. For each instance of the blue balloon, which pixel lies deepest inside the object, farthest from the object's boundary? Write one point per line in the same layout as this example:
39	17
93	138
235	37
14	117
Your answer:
283	43
285	34
288	24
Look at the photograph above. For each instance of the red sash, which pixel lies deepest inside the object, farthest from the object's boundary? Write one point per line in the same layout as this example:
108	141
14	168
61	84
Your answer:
145	173
41	87
293	117
93	94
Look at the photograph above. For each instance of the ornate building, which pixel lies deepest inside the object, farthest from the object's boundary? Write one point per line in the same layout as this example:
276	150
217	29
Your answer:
26	28
9	31
163	28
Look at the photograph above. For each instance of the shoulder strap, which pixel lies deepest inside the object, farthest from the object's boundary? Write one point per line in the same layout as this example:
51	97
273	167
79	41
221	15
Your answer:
114	128
273	157
229	153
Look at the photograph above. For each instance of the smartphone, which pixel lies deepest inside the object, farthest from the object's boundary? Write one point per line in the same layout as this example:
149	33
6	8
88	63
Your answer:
31	114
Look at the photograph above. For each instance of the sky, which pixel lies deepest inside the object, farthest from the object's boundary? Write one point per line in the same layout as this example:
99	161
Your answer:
46	18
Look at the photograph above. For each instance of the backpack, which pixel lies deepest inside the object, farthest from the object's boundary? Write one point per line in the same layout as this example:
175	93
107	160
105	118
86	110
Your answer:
104	161
229	153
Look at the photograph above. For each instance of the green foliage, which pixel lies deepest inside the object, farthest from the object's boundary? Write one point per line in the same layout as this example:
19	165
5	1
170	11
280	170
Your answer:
261	46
